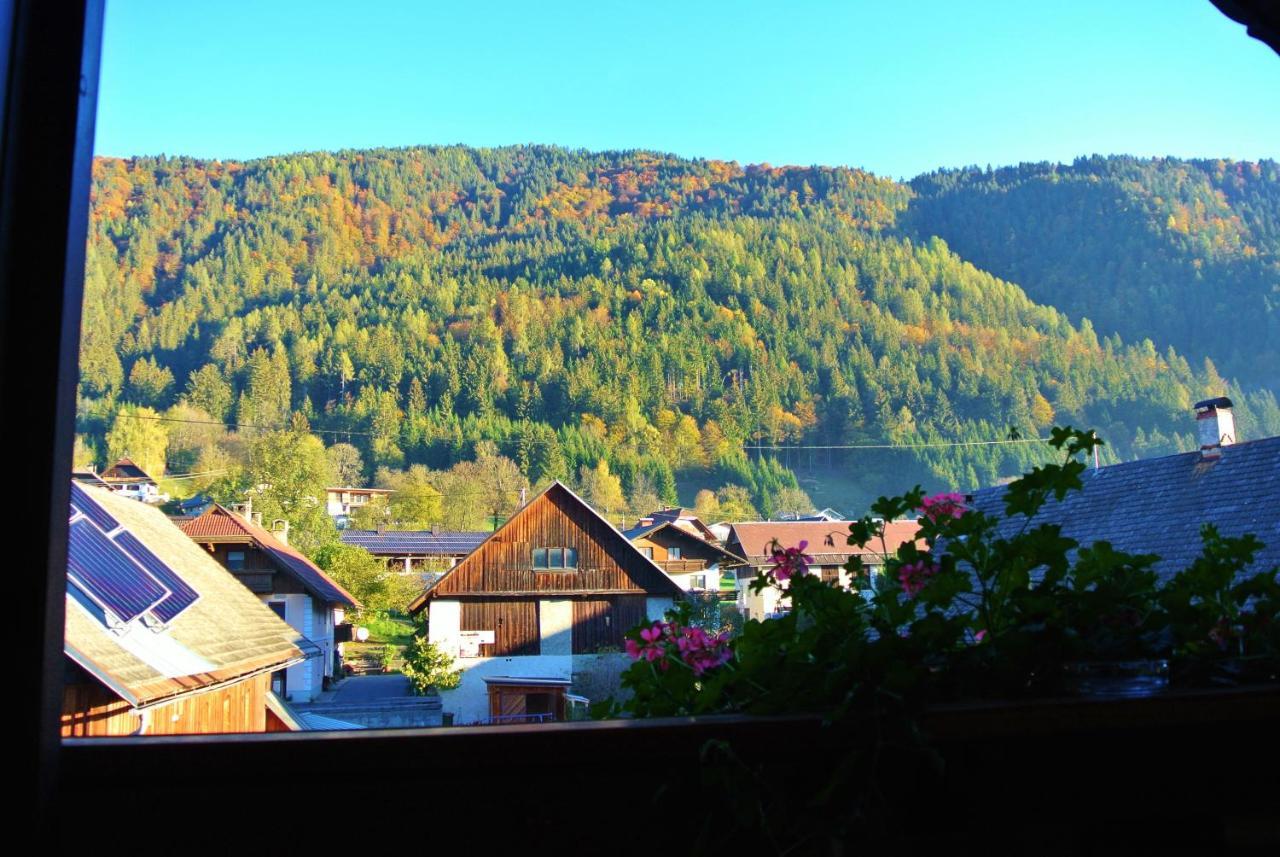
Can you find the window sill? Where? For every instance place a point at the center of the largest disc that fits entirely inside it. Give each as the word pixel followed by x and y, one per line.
pixel 1141 762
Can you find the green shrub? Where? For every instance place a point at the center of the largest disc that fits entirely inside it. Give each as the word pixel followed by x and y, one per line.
pixel 429 668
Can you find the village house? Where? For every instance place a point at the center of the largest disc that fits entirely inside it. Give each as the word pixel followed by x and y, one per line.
pixel 685 519
pixel 340 503
pixel 692 561
pixel 827 514
pixel 130 480
pixel 159 639
pixel 827 544
pixel 540 601
pixel 287 582
pixel 420 551
pixel 1157 505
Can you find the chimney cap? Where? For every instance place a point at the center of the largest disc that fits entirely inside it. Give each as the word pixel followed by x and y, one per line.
pixel 1220 402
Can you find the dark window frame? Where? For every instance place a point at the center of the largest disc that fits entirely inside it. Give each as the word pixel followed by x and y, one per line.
pixel 554 559
pixel 49 62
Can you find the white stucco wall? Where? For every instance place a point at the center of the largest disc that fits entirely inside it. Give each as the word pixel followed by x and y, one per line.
pixel 770 600
pixel 555 623
pixel 313 620
pixel 444 618
pixel 469 702
pixel 757 605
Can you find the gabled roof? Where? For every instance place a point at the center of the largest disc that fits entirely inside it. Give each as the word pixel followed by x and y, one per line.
pixel 219 525
pixel 686 518
pixel 673 529
pixel 351 490
pixel 1157 505
pixel 226 634
pixel 560 492
pixel 414 542
pixel 125 470
pixel 828 540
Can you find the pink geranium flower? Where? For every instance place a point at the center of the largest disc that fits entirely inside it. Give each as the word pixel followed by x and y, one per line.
pixel 914 575
pixel 791 561
pixel 666 642
pixel 939 507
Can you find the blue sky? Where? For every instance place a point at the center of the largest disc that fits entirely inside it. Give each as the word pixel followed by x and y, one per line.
pixel 897 87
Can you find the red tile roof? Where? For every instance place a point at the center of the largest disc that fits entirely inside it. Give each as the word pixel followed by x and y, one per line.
pixel 825 538
pixel 224 525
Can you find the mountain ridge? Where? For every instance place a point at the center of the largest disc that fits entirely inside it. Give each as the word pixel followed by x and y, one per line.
pixel 655 312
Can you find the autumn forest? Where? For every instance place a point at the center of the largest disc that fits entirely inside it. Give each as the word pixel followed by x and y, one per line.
pixel 462 323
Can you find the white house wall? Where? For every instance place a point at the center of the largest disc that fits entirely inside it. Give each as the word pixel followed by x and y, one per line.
pixel 469 702
pixel 555 626
pixel 313 620
pixel 769 601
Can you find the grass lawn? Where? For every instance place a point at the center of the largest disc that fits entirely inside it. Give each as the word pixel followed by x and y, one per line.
pixel 383 629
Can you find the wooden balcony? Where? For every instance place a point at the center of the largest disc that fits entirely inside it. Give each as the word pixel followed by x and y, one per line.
pixel 682 566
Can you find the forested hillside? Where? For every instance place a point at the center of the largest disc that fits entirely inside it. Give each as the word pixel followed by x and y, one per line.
pixel 623 316
pixel 1186 253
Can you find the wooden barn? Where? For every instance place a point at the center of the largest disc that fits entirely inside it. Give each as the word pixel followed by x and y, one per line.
pixel 543 597
pixel 160 640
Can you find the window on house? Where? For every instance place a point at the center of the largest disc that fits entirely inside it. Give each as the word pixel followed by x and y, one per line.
pixel 235 560
pixel 648 552
pixel 555 558
pixel 673 553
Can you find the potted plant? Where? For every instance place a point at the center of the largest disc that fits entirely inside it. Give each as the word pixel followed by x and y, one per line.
pixel 980 608
pixel 1224 623
pixel 387 657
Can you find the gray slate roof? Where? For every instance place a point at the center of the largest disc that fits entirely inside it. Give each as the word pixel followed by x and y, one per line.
pixel 1157 505
pixel 414 542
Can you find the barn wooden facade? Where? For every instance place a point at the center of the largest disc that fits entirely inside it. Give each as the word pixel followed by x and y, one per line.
pixel 557 581
pixel 508 565
pixel 90 710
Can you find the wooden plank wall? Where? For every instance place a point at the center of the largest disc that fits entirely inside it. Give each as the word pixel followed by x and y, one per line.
pixel 602 621
pixel 90 710
pixel 606 560
pixel 514 623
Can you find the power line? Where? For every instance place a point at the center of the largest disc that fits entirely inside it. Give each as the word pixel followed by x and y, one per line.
pixel 907 446
pixel 239 425
pixel 180 476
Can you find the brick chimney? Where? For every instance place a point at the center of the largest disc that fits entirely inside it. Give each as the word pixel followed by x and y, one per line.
pixel 1215 426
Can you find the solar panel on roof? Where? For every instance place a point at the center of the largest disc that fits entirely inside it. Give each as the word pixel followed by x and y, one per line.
pixel 98 566
pixel 181 595
pixel 84 503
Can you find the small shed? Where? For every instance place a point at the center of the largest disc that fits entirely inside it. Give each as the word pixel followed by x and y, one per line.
pixel 526 699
